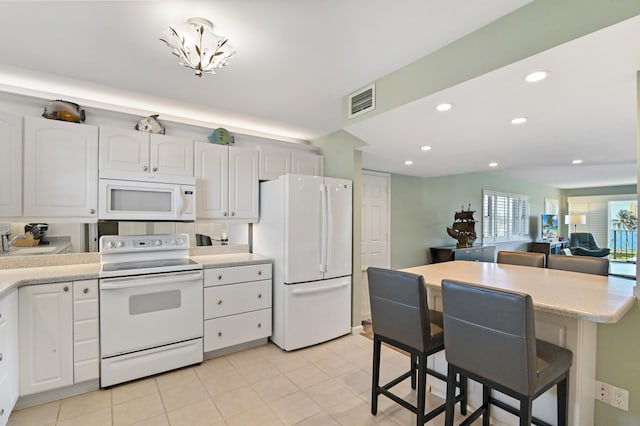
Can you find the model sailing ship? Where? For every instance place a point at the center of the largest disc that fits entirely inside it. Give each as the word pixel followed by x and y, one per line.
pixel 464 228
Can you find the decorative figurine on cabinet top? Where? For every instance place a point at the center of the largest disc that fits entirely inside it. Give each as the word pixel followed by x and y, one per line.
pixel 221 136
pixel 64 111
pixel 463 228
pixel 150 124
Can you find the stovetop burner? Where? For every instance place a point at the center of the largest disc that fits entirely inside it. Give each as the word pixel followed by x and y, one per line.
pixel 126 255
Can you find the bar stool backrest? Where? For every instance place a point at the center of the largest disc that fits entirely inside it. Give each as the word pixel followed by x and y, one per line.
pixel 399 309
pixel 491 333
pixel 584 264
pixel 523 258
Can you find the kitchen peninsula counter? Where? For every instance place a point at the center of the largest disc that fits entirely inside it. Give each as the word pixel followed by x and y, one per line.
pixel 568 307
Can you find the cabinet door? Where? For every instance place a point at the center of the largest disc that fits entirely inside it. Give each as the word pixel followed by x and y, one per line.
pixel 274 162
pixel 305 163
pixel 60 169
pixel 46 337
pixel 243 183
pixel 123 151
pixel 9 387
pixel 170 155
pixel 11 169
pixel 212 181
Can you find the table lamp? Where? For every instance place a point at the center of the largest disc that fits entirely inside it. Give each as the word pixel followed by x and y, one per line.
pixel 575 220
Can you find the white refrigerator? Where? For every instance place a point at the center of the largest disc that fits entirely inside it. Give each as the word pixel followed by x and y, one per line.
pixel 305 227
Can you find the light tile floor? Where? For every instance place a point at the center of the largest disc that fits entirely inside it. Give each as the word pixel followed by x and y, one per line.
pixel 327 384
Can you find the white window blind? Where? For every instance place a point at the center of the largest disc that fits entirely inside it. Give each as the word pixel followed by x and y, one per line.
pixel 505 217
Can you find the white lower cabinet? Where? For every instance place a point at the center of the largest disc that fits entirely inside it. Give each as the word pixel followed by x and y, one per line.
pixel 237 305
pixel 58 335
pixel 9 361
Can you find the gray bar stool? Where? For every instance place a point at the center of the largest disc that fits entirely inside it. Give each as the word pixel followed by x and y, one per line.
pixel 523 258
pixel 584 264
pixel 400 317
pixel 491 339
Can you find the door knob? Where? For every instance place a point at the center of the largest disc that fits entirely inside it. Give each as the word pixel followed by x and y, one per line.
pixel 85 290
pixel 65 288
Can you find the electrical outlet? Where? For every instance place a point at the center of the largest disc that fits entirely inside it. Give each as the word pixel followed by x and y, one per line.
pixel 612 395
pixel 620 399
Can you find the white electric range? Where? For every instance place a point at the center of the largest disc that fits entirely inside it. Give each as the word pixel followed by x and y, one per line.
pixel 151 306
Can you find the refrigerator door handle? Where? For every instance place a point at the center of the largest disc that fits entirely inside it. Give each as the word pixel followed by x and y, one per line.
pixel 320 289
pixel 323 238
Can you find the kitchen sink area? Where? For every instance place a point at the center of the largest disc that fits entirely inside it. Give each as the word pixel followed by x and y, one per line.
pixel 27 251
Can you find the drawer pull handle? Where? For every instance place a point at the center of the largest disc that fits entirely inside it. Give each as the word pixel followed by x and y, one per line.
pixel 259 324
pixel 219 302
pixel 1 411
pixel 65 288
pixel 219 333
pixel 259 295
pixel 85 290
pixel 219 277
pixel 0 357
pixel 259 272
pixel 155 169
pixel 145 168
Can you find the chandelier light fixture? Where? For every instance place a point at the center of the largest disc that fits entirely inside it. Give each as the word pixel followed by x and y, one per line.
pixel 197 46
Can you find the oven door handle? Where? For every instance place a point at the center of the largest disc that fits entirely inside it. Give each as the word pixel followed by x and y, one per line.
pixel 131 282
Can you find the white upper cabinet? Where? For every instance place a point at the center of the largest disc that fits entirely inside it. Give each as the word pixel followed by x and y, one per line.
pixel 11 169
pixel 226 182
pixel 306 163
pixel 275 162
pixel 133 155
pixel 60 169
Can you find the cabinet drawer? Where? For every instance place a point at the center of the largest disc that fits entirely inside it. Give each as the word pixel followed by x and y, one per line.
pixel 236 274
pixel 235 329
pixel 83 351
pixel 232 299
pixel 83 290
pixel 85 309
pixel 86 370
pixel 85 330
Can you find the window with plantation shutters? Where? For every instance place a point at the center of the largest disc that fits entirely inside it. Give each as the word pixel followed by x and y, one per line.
pixel 505 217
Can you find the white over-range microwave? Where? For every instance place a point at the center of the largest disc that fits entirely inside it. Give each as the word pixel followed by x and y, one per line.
pixel 147 201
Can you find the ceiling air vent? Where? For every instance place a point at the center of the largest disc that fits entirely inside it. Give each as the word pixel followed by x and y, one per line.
pixel 362 101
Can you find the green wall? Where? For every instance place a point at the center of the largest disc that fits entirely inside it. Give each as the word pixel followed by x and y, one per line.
pixel 422 208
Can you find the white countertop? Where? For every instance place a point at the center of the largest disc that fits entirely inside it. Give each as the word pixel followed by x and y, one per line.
pixel 25 275
pixel 584 296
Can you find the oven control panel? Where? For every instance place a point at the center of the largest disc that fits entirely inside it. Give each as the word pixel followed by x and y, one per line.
pixel 137 243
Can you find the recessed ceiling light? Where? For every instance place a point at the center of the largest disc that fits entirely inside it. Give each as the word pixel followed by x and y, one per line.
pixel 444 107
pixel 425 148
pixel 408 163
pixel 577 162
pixel 536 76
pixel 519 120
pixel 493 164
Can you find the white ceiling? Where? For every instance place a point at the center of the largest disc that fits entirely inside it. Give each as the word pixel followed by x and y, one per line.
pixel 297 59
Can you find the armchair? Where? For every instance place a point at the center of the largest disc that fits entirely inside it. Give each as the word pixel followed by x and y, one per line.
pixel 584 244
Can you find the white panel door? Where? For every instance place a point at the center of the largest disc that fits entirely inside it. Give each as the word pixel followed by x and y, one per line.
pixel 306 163
pixel 339 224
pixel 169 155
pixel 60 169
pixel 123 150
pixel 11 169
pixel 212 181
pixel 46 337
pixel 303 230
pixel 375 231
pixel 274 162
pixel 243 183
